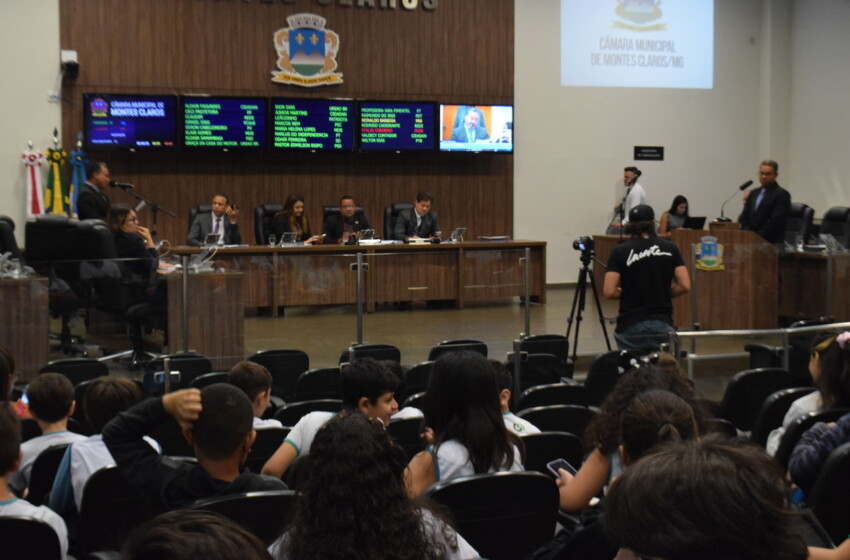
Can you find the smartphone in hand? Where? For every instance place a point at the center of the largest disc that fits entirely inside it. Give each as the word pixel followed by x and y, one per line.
pixel 553 467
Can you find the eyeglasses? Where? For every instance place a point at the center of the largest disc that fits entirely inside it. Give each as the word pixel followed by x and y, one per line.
pixel 132 220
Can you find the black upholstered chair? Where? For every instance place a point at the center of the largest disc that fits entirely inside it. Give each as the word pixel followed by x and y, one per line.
pixel 547 446
pixel 448 346
pixel 43 472
pixel 375 351
pixel 263 220
pixel 318 383
pixel 747 391
pixel 830 495
pixel 559 418
pixel 553 393
pixel 25 538
pixel 391 213
pixel 773 411
pixel 267 442
pixel 285 365
pixel 290 414
pixel 77 370
pixel 798 427
pixel 406 432
pixel 8 243
pixel 799 222
pixel 265 514
pixel 538 369
pixel 195 210
pixel 602 374
pixel 836 222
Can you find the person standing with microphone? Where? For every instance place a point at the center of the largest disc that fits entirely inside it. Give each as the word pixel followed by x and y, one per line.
pixel 92 201
pixel 767 208
pixel 635 196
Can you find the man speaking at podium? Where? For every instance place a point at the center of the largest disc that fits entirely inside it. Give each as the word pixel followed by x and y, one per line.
pixel 766 208
pixel 645 273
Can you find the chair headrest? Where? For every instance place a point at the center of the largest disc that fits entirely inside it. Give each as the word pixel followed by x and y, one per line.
pixel 837 214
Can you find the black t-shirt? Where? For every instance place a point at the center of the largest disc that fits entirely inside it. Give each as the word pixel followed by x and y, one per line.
pixel 646 267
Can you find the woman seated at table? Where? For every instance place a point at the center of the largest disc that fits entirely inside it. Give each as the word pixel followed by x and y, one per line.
pixel 293 219
pixel 134 243
pixel 675 217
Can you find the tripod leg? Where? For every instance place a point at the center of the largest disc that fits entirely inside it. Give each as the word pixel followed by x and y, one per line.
pixel 599 309
pixel 578 308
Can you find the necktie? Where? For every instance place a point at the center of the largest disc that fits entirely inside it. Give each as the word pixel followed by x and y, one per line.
pixel 217 227
pixel 760 197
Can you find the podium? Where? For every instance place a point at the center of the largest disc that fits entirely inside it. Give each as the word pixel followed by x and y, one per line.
pixel 743 294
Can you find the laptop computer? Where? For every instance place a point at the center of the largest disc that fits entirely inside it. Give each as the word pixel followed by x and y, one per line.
pixel 694 222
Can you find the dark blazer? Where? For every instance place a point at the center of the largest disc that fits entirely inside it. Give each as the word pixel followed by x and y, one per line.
pixel 203 225
pixel 92 203
pixel 333 227
pixel 768 221
pixel 405 225
pixel 459 134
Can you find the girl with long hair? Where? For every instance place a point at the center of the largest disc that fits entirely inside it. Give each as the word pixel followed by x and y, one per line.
pixel 675 216
pixel 293 219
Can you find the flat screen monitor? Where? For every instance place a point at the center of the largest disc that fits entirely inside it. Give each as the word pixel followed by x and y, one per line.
pixel 312 124
pixel 477 128
pixel 396 126
pixel 224 123
pixel 129 122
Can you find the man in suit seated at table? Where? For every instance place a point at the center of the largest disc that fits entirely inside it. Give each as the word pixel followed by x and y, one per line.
pixel 418 222
pixel 345 226
pixel 472 130
pixel 221 220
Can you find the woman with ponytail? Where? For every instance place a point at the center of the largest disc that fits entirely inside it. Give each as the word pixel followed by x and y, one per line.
pixel 830 368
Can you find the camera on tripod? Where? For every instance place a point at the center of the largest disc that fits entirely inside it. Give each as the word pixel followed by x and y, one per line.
pixel 583 244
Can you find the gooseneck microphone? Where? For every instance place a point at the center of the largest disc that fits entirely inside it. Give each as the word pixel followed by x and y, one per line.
pixel 125 186
pixel 743 187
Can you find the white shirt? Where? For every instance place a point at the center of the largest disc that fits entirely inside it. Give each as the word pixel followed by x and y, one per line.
pixel 20 480
pixel 636 197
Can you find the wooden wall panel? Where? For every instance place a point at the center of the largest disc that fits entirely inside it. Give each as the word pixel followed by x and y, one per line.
pixel 460 52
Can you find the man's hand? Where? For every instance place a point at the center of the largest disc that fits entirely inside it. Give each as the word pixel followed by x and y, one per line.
pixel 184 406
pixel 232 214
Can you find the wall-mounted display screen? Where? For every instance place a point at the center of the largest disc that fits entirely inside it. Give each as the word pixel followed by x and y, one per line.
pixel 312 124
pixel 224 122
pixel 113 121
pixel 394 126
pixel 477 128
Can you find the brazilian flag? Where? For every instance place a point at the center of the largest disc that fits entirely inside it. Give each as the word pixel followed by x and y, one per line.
pixel 56 199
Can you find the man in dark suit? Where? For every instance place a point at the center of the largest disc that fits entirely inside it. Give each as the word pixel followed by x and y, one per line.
pixel 221 220
pixel 418 222
pixel 92 201
pixel 344 227
pixel 471 130
pixel 766 208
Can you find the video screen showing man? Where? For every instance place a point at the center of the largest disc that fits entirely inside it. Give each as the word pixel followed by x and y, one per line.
pixel 418 222
pixel 473 128
pixel 345 226
pixel 221 221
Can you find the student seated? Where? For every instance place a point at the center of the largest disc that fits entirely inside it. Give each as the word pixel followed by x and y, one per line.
pixel 505 383
pixel 366 386
pixel 469 435
pixel 703 500
pixel 51 402
pixel 216 421
pixel 10 460
pixel 104 399
pixel 178 535
pixel 352 503
pixel 256 382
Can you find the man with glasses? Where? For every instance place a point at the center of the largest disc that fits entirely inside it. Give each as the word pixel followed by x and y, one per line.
pixel 345 226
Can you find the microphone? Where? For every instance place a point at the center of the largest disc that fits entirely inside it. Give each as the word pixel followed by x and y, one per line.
pixel 743 187
pixel 125 186
pixel 634 178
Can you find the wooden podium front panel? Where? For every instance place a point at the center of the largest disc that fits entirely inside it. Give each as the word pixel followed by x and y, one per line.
pixel 24 328
pixel 316 279
pixel 742 296
pixel 497 273
pixel 414 275
pixel 808 291
pixel 258 272
pixel 216 324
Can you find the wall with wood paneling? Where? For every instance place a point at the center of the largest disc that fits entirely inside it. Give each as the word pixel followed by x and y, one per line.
pixel 460 52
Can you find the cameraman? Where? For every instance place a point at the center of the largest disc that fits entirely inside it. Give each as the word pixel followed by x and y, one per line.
pixel 645 273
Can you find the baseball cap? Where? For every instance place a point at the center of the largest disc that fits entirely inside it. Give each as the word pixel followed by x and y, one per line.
pixel 641 213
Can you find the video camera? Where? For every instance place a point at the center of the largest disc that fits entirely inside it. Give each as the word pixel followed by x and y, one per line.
pixel 583 244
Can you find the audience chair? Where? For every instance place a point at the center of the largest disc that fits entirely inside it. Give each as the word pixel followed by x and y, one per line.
pixel 773 411
pixel 267 442
pixel 538 369
pixel 265 514
pixel 189 364
pixel 799 222
pixel 764 355
pixel 290 414
pixel 79 415
pixel 798 427
pixel 559 418
pixel 829 498
pixel 555 344
pixel 720 426
pixel 375 351
pixel 416 379
pixel 264 220
pixel 77 370
pixel 415 400
pixel 25 538
pixel 811 530
pixel 43 472
pixel 111 507
pixel 285 365
pixel 295 472
pixel 318 383
pixel 391 213
pixel 8 243
pixel 836 222
pixel 208 379
pixel 746 392
pixel 194 211
pixel 547 446
pixel 552 393
pixel 516 518
pixel 602 375
pixel 447 346
pixel 406 433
